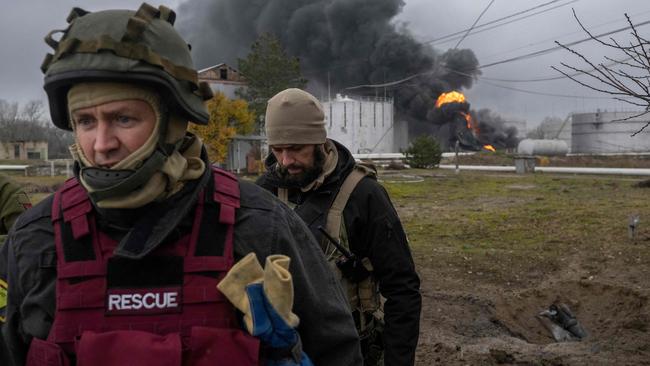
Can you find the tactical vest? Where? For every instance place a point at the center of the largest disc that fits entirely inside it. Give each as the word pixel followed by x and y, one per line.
pixel 163 309
pixel 363 297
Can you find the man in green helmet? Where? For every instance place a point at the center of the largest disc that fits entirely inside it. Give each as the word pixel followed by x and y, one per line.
pixel 121 265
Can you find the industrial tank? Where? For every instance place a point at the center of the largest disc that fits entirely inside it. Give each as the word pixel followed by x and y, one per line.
pixel 542 147
pixel 609 132
pixel 364 124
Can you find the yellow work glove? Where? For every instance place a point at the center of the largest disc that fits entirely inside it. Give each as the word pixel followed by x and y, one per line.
pixel 265 297
pixel 276 282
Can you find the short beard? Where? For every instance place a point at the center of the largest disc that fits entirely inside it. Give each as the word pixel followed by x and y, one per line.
pixel 307 176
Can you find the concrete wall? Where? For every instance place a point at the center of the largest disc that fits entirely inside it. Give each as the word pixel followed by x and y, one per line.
pixel 51 168
pixel 363 125
pixel 609 132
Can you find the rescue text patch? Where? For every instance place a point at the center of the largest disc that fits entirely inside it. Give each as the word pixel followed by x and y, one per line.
pixel 143 301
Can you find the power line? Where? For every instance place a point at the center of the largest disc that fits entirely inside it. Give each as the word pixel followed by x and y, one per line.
pixel 501 53
pixel 513 59
pixel 544 94
pixel 459 33
pixel 509 22
pixel 474 24
pixel 552 49
pixel 548 78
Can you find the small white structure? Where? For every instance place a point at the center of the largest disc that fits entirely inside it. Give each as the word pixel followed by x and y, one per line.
pixel 530 147
pixel 364 124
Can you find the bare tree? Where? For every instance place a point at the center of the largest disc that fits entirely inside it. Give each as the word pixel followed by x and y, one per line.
pixel 627 80
pixel 33 111
pixel 8 111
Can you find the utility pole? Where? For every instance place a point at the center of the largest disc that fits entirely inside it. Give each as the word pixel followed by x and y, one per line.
pixel 329 91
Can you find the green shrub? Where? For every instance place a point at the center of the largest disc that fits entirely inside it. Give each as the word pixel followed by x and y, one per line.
pixel 424 152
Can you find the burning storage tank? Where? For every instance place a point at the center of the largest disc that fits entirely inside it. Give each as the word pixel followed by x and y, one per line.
pixel 609 132
pixel 463 129
pixel 365 124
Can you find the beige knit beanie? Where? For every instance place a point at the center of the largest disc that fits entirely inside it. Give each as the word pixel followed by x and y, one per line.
pixel 294 116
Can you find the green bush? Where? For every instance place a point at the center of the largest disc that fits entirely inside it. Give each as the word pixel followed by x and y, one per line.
pixel 424 152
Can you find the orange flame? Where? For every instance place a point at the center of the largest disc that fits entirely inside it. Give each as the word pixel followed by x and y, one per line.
pixel 470 121
pixel 450 97
pixel 489 147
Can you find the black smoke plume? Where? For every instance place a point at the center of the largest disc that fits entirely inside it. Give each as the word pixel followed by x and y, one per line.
pixel 347 43
pixel 343 42
pixel 493 129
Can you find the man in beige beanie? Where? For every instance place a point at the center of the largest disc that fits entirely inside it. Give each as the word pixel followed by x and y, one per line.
pixel 319 178
pixel 120 266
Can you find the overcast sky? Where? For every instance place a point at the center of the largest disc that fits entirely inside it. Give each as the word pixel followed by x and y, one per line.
pixel 23 23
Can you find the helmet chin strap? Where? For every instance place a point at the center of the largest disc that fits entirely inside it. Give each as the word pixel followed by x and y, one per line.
pixel 108 183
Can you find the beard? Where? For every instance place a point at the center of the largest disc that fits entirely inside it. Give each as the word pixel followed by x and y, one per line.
pixel 302 179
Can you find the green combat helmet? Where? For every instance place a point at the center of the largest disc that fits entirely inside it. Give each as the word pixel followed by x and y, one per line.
pixel 124 46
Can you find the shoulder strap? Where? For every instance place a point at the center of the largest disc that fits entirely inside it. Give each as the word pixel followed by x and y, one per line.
pixel 283 195
pixel 226 192
pixel 335 213
pixel 72 203
pixel 74 232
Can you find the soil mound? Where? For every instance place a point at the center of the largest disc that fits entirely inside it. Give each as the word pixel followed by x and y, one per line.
pixel 606 312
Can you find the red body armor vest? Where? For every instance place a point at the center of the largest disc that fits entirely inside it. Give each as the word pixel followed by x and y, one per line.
pixel 163 309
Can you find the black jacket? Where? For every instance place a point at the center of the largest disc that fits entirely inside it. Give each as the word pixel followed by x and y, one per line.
pixel 263 225
pixel 374 231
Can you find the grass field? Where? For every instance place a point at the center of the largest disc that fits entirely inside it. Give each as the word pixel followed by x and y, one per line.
pixel 525 221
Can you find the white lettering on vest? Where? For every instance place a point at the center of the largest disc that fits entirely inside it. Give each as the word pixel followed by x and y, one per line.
pixel 149 300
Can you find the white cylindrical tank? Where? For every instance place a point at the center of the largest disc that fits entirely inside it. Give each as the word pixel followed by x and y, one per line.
pixel 609 132
pixel 542 147
pixel 362 124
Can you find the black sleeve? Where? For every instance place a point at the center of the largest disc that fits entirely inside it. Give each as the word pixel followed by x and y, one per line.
pixel 26 266
pixel 326 327
pixel 376 232
pixel 263 181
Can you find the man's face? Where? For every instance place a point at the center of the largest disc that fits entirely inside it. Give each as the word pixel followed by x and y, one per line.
pixel 298 165
pixel 294 158
pixel 108 133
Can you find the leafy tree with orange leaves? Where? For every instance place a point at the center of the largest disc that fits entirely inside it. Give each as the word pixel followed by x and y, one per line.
pixel 228 117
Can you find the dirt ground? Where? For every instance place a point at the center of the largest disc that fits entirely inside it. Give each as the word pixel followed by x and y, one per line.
pixel 483 287
pixel 469 323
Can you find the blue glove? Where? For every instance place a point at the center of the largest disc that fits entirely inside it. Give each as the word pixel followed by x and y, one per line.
pixel 273 331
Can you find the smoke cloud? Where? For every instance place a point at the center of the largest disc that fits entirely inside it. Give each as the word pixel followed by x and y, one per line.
pixel 493 129
pixel 341 42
